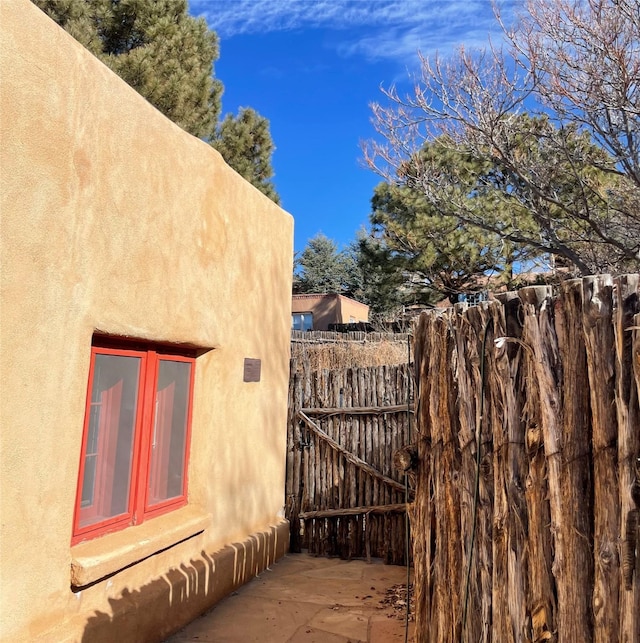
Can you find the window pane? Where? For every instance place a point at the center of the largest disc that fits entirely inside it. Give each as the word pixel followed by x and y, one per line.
pixel 302 321
pixel 168 441
pixel 110 433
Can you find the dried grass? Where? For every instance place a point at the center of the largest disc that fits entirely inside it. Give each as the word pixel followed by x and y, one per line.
pixel 350 354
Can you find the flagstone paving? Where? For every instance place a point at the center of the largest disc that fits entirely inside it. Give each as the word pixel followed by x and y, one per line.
pixel 307 599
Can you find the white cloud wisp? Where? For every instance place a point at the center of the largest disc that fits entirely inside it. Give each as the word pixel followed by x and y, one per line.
pixel 394 28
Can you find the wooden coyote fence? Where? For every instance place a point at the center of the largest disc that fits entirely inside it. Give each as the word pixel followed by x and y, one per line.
pixel 344 497
pixel 548 548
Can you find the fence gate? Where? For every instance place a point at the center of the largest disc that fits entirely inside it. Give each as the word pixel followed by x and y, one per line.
pixel 344 496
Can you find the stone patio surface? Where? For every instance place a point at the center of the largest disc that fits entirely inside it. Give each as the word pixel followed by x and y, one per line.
pixel 306 599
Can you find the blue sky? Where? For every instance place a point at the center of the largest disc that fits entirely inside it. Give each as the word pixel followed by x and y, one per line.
pixel 313 67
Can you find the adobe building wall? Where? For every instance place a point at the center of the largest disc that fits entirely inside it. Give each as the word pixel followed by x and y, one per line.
pixel 324 308
pixel 352 309
pixel 114 220
pixel 329 309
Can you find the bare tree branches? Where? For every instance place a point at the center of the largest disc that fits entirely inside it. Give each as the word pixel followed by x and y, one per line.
pixel 585 57
pixel 564 180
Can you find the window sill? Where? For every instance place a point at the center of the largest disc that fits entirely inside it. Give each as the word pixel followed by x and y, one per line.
pixel 97 559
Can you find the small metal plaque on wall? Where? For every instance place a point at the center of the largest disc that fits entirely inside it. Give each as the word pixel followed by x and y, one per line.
pixel 252 369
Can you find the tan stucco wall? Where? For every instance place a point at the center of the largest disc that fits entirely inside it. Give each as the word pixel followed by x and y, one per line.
pixel 115 220
pixel 350 308
pixel 329 309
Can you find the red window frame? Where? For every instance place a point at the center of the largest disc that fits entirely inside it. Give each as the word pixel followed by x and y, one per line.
pixel 142 479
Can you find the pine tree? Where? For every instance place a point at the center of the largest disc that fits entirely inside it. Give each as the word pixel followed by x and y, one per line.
pixel 246 145
pixel 429 254
pixel 157 47
pixel 322 269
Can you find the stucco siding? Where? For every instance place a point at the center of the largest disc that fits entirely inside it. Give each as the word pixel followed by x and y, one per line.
pixel 114 220
pixel 352 311
pixel 329 309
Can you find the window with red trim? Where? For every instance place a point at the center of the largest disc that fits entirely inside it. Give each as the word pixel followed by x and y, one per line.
pixel 135 443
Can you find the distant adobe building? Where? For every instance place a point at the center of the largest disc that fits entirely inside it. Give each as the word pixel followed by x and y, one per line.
pixel 317 312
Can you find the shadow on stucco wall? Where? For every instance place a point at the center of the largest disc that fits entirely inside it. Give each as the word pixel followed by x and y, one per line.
pixel 163 606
